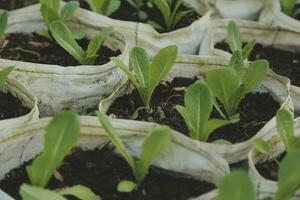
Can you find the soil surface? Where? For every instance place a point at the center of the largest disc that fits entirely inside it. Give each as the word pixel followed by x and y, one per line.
pixel 101 171
pixel 285 63
pixel 38 49
pixel 11 107
pixel 255 111
pixel 269 169
pixel 15 4
pixel 128 13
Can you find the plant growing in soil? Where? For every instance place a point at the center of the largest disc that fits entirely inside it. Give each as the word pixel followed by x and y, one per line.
pixel 169 10
pixel 66 39
pixel 62 134
pixel 146 74
pixel 157 141
pixel 289 7
pixel 242 81
pixel 199 102
pixel 104 7
pixel 288 183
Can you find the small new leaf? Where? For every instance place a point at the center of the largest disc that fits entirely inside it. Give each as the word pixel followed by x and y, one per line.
pixel 35 193
pixel 80 192
pixel 262 147
pixel 4 74
pixel 126 186
pixel 3 23
pixel 104 7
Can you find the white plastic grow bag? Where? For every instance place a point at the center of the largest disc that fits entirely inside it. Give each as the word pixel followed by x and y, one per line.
pixel 27 99
pixel 263 34
pixel 74 87
pixel 20 145
pixel 187 39
pixel 197 66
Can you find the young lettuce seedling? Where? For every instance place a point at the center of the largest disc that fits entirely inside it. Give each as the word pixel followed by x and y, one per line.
pixel 104 7
pixel 198 102
pixel 66 39
pixel 288 7
pixel 146 74
pixel 171 16
pixel 238 185
pixel 4 74
pixel 231 84
pixel 62 134
pixel 158 140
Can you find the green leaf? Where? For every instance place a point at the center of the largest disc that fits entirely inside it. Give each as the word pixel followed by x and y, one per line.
pixel 53 4
pixel 140 64
pixel 248 49
pixel 180 15
pixel 155 143
pixel 237 62
pixel 233 37
pixel 288 176
pixel 96 43
pixel 164 8
pixel 222 141
pixel 78 35
pixel 64 37
pixel 126 186
pixel 3 22
pixel 104 7
pixel 80 192
pixel 116 140
pixel 119 63
pixel 287 6
pixel 262 146
pixel 35 193
pixel 61 136
pixel 69 10
pixel 213 124
pixel 236 186
pixel 49 14
pixel 4 74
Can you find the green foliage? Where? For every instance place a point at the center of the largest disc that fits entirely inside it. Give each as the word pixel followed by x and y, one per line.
pixel 199 101
pixel 146 74
pixel 158 140
pixel 289 7
pixel 4 74
pixel 170 11
pixel 3 23
pixel 66 39
pixel 242 81
pixel 262 147
pixel 104 7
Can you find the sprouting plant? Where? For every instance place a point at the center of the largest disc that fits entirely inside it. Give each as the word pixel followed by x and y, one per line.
pixel 62 134
pixel 288 182
pixel 146 74
pixel 171 14
pixel 157 141
pixel 66 39
pixel 199 102
pixel 4 74
pixel 3 23
pixel 289 7
pixel 285 127
pixel 104 7
pixel 231 84
pixel 138 4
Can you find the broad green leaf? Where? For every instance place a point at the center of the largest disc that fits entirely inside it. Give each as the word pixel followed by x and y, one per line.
pixel 179 16
pixel 233 37
pixel 164 8
pixel 158 140
pixel 262 146
pixel 4 74
pixel 248 49
pixel 116 140
pixel 49 14
pixel 35 193
pixel 236 186
pixel 78 35
pixel 3 22
pixel 237 62
pixel 61 136
pixel 213 124
pixel 223 89
pixel 80 192
pixel 96 43
pixel 287 6
pixel 104 7
pixel 69 10
pixel 140 63
pixel 126 186
pixel 183 112
pixel 64 37
pixel 53 4
pixel 288 176
pixel 119 63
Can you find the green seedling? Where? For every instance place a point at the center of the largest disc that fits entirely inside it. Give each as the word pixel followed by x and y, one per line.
pixel 65 38
pixel 231 84
pixel 146 74
pixel 3 24
pixel 238 185
pixel 62 134
pixel 198 102
pixel 104 7
pixel 157 141
pixel 138 4
pixel 4 74
pixel 171 14
pixel 289 7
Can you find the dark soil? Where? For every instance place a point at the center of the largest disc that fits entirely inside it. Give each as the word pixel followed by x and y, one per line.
pixel 15 4
pixel 255 111
pixel 38 49
pixel 11 107
pixel 128 13
pixel 269 169
pixel 285 63
pixel 101 171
